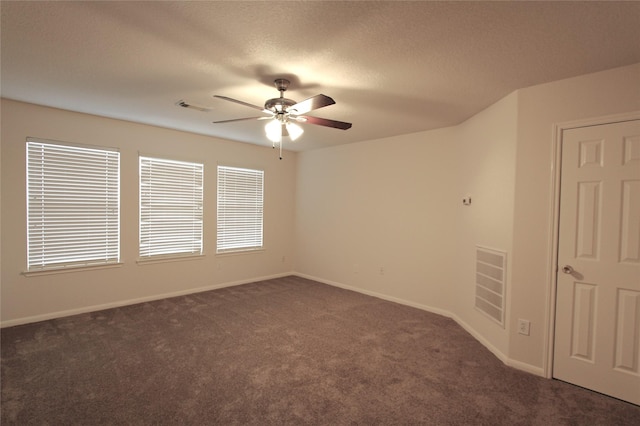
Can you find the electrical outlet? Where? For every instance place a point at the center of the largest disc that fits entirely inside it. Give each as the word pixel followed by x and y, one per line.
pixel 524 327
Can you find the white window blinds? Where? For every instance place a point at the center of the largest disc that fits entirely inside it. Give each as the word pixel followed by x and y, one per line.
pixel 170 207
pixel 240 202
pixel 73 207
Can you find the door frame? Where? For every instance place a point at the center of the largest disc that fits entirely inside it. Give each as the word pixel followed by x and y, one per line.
pixel 556 161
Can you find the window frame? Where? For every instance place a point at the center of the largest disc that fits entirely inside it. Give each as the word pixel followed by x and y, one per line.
pixel 187 249
pixel 225 235
pixel 68 177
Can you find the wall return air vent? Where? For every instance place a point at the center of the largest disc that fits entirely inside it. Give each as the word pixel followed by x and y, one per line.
pixel 490 283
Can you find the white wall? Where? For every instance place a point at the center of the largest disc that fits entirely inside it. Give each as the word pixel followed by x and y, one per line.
pixel 485 165
pixel 380 204
pixel 396 204
pixel 42 296
pixel 539 108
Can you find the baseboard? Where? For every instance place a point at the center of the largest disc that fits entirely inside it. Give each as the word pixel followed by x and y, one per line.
pixel 538 371
pixel 523 366
pixel 378 295
pixel 120 303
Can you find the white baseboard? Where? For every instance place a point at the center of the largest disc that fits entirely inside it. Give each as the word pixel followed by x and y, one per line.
pixel 538 371
pixel 523 366
pixel 375 294
pixel 101 307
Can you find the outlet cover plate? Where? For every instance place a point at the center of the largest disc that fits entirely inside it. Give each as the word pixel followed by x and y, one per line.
pixel 524 327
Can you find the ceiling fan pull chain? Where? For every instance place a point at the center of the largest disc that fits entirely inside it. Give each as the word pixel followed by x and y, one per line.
pixel 281 150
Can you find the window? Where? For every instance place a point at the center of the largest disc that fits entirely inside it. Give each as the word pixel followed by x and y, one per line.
pixel 73 207
pixel 240 199
pixel 170 208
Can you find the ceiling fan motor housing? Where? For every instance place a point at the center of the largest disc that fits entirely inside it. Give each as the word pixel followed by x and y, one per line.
pixel 279 105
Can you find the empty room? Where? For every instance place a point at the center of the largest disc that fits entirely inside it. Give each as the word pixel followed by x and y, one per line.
pixel 320 212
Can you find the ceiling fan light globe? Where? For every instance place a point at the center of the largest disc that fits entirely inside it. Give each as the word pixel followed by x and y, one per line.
pixel 294 131
pixel 273 129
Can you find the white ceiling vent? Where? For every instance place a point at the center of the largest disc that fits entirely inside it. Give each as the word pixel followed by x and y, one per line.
pixel 490 283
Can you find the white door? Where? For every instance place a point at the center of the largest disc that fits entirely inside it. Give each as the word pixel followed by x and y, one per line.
pixel 597 340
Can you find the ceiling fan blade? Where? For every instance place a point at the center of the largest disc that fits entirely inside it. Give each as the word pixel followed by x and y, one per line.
pixel 241 119
pixel 259 108
pixel 314 102
pixel 326 122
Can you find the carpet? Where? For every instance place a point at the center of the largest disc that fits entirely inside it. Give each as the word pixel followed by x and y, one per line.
pixel 286 351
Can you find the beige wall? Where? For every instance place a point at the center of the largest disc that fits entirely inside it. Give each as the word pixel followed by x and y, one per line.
pixel 42 296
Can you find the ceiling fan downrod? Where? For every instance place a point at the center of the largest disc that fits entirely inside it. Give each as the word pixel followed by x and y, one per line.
pixel 282 84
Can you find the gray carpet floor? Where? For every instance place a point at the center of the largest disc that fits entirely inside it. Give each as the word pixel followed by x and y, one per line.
pixel 287 351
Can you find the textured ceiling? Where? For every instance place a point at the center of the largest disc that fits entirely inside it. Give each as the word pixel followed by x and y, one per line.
pixel 392 67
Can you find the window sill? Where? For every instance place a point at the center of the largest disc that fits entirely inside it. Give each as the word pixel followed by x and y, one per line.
pixel 168 258
pixel 240 252
pixel 68 269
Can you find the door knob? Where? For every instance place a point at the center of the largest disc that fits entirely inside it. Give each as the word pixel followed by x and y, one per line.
pixel 567 269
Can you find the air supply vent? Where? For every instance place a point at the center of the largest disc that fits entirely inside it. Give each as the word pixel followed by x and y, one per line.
pixel 185 104
pixel 490 283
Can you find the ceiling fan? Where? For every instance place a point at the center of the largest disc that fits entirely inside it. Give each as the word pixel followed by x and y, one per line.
pixel 284 113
